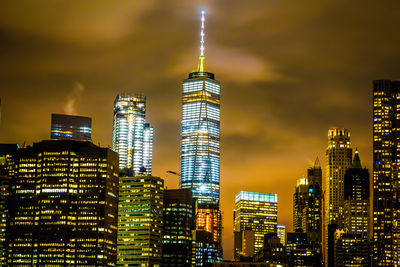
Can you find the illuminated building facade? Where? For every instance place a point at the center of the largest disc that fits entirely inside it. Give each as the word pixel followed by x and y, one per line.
pixel 178 224
pixel 6 151
pixel 300 199
pixel 140 220
pixel 338 160
pixel 200 144
pixel 300 251
pixel 69 127
pixel 64 208
pixel 132 136
pixel 281 232
pixel 257 212
pixel 386 161
pixel 356 199
pixel 205 250
pixel 352 250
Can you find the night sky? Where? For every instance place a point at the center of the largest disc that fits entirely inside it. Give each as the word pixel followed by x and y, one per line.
pixel 289 70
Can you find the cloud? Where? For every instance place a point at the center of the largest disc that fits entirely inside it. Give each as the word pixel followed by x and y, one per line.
pixel 233 64
pixel 73 98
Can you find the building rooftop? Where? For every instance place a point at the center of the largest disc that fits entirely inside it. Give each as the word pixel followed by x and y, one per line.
pixel 254 196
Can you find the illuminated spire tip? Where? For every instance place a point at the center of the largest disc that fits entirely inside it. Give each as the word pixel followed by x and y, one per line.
pixel 200 66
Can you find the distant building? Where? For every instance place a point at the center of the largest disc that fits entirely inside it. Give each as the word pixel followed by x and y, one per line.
pixel 132 136
pixel 386 163
pixel 356 199
pixel 272 252
pixel 69 127
pixel 178 223
pixel 257 212
pixel 243 244
pixel 300 199
pixel 352 250
pixel 281 232
pixel 140 220
pixel 338 160
pixel 64 208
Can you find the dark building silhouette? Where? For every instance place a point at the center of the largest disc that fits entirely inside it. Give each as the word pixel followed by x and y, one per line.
pixel 300 251
pixel 64 205
pixel 69 127
pixel 177 228
pixel 386 163
pixel 356 199
pixel 272 252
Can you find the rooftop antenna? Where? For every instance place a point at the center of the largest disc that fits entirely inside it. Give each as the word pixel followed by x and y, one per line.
pixel 200 67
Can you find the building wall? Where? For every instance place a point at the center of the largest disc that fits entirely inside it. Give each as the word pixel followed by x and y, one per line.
pixel 386 225
pixel 64 205
pixel 257 212
pixel 140 220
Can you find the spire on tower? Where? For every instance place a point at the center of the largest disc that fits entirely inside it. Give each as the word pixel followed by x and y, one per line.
pixel 200 66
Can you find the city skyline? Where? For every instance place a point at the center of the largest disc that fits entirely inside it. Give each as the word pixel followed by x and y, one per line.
pixel 262 129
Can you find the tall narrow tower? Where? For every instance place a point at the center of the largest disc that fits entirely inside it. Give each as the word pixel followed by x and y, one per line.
pixel 386 180
pixel 338 160
pixel 200 142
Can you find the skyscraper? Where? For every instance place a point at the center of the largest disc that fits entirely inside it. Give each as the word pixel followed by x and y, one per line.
pixel 64 208
pixel 313 215
pixel 200 142
pixel 257 212
pixel 338 160
pixel 300 198
pixel 140 220
pixel 69 127
pixel 132 136
pixel 386 162
pixel 356 199
pixel 177 228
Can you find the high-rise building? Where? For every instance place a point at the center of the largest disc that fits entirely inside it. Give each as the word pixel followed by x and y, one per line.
pixel 132 136
pixel 64 208
pixel 178 224
pixel 69 127
pixel 257 212
pixel 356 199
pixel 386 162
pixel 312 218
pixel 300 199
pixel 200 143
pixel 338 160
pixel 281 232
pixel 140 220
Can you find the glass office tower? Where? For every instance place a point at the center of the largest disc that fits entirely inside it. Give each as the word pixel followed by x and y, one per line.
pixel 132 136
pixel 257 212
pixel 200 147
pixel 200 144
